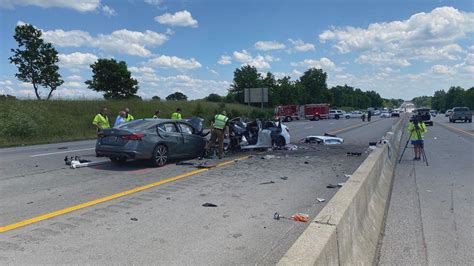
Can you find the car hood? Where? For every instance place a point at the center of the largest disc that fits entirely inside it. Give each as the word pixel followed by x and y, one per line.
pixel 197 123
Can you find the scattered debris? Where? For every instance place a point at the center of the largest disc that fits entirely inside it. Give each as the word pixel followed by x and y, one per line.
pixel 29 202
pixel 134 219
pixel 335 186
pixel 348 176
pixel 299 217
pixel 354 153
pixel 168 198
pixel 185 163
pixel 267 183
pixel 207 204
pixel 284 178
pixel 204 165
pixel 341 184
pixel 320 199
pixel 291 147
pixel 306 162
pixel 268 157
pixel 62 148
pixel 326 140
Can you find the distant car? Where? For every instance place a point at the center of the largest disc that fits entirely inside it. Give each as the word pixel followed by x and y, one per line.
pixel 395 114
pixel 354 114
pixel 425 115
pixel 448 112
pixel 433 113
pixel 376 112
pixel 157 140
pixel 336 114
pixel 460 113
pixel 385 114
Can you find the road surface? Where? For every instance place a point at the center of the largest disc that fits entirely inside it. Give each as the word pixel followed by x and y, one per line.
pixel 166 224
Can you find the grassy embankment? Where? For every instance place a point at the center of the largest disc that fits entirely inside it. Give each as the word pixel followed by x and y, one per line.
pixel 34 122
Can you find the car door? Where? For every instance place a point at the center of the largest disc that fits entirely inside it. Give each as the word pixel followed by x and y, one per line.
pixel 193 144
pixel 172 137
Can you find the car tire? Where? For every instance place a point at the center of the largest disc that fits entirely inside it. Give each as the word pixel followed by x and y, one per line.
pixel 160 155
pixel 280 141
pixel 337 117
pixel 289 119
pixel 348 116
pixel 316 118
pixel 470 120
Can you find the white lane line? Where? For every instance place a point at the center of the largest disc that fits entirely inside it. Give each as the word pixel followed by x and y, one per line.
pixel 60 152
pixel 308 127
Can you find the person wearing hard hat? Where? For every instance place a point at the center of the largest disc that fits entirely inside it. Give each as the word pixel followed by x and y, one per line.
pixel 128 116
pixel 176 115
pixel 101 121
pixel 218 130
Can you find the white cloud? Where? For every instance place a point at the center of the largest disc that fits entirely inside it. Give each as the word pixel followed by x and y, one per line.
pixel 323 63
pixel 108 11
pixel 423 36
pixel 300 46
pixel 76 60
pixel 180 18
pixel 165 61
pixel 79 5
pixel 153 84
pixel 141 70
pixel 441 69
pixel 73 84
pixel 74 78
pixel 269 45
pixel 225 60
pixel 120 41
pixel 258 61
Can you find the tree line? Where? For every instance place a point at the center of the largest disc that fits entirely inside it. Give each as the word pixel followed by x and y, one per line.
pixel 444 100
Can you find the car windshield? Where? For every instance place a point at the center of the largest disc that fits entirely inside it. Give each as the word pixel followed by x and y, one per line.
pixel 138 125
pixel 461 109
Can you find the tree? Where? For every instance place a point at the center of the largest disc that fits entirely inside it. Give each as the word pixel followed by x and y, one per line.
pixel 36 60
pixel 112 78
pixel 244 77
pixel 177 96
pixel 156 98
pixel 314 81
pixel 439 101
pixel 213 98
pixel 454 97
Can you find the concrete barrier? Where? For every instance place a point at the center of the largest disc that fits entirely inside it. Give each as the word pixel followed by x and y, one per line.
pixel 347 229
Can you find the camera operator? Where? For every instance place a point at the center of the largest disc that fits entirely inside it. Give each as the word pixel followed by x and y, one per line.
pixel 417 128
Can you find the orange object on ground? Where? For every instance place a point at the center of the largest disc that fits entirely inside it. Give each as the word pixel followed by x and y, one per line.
pixel 300 217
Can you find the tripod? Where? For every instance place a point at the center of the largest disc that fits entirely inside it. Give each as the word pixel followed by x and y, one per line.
pixel 423 154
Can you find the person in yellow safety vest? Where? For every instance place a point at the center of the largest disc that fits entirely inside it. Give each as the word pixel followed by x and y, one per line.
pixel 218 131
pixel 128 116
pixel 157 114
pixel 101 121
pixel 177 114
pixel 417 129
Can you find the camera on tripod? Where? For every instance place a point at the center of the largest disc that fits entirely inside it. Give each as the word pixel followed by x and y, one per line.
pixel 416 119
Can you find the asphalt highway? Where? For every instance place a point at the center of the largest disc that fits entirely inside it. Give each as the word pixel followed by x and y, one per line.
pixel 38 188
pixel 430 219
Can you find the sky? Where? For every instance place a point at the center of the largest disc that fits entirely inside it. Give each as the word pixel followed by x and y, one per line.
pixel 399 48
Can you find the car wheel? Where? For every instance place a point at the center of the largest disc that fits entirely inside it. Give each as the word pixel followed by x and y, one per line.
pixel 160 155
pixel 337 117
pixel 316 118
pixel 280 141
pixel 289 119
pixel 348 116
pixel 470 120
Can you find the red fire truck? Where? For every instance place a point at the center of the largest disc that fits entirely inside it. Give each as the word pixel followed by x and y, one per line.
pixel 287 112
pixel 316 111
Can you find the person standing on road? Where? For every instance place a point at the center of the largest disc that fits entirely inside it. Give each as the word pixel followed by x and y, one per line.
pixel 120 119
pixel 157 114
pixel 101 121
pixel 363 117
pixel 218 131
pixel 176 115
pixel 417 129
pixel 369 115
pixel 128 116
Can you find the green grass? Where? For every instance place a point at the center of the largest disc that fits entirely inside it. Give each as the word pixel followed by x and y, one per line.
pixel 25 122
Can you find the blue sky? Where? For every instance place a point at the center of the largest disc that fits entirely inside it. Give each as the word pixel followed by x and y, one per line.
pixel 398 48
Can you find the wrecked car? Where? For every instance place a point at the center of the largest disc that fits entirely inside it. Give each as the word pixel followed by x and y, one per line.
pixel 157 140
pixel 325 140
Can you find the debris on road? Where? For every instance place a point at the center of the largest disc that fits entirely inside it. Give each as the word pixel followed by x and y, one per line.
pixel 186 163
pixel 354 153
pixel 134 219
pixel 341 184
pixel 325 140
pixel 207 204
pixel 320 199
pixel 284 178
pixel 291 147
pixel 335 186
pixel 299 217
pixel 204 165
pixel 267 183
pixel 348 176
pixel 268 157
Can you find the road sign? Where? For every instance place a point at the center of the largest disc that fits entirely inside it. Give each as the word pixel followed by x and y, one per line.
pixel 256 95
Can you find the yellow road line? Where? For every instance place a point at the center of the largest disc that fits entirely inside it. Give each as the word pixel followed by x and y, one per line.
pixel 352 127
pixel 108 198
pixel 456 129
